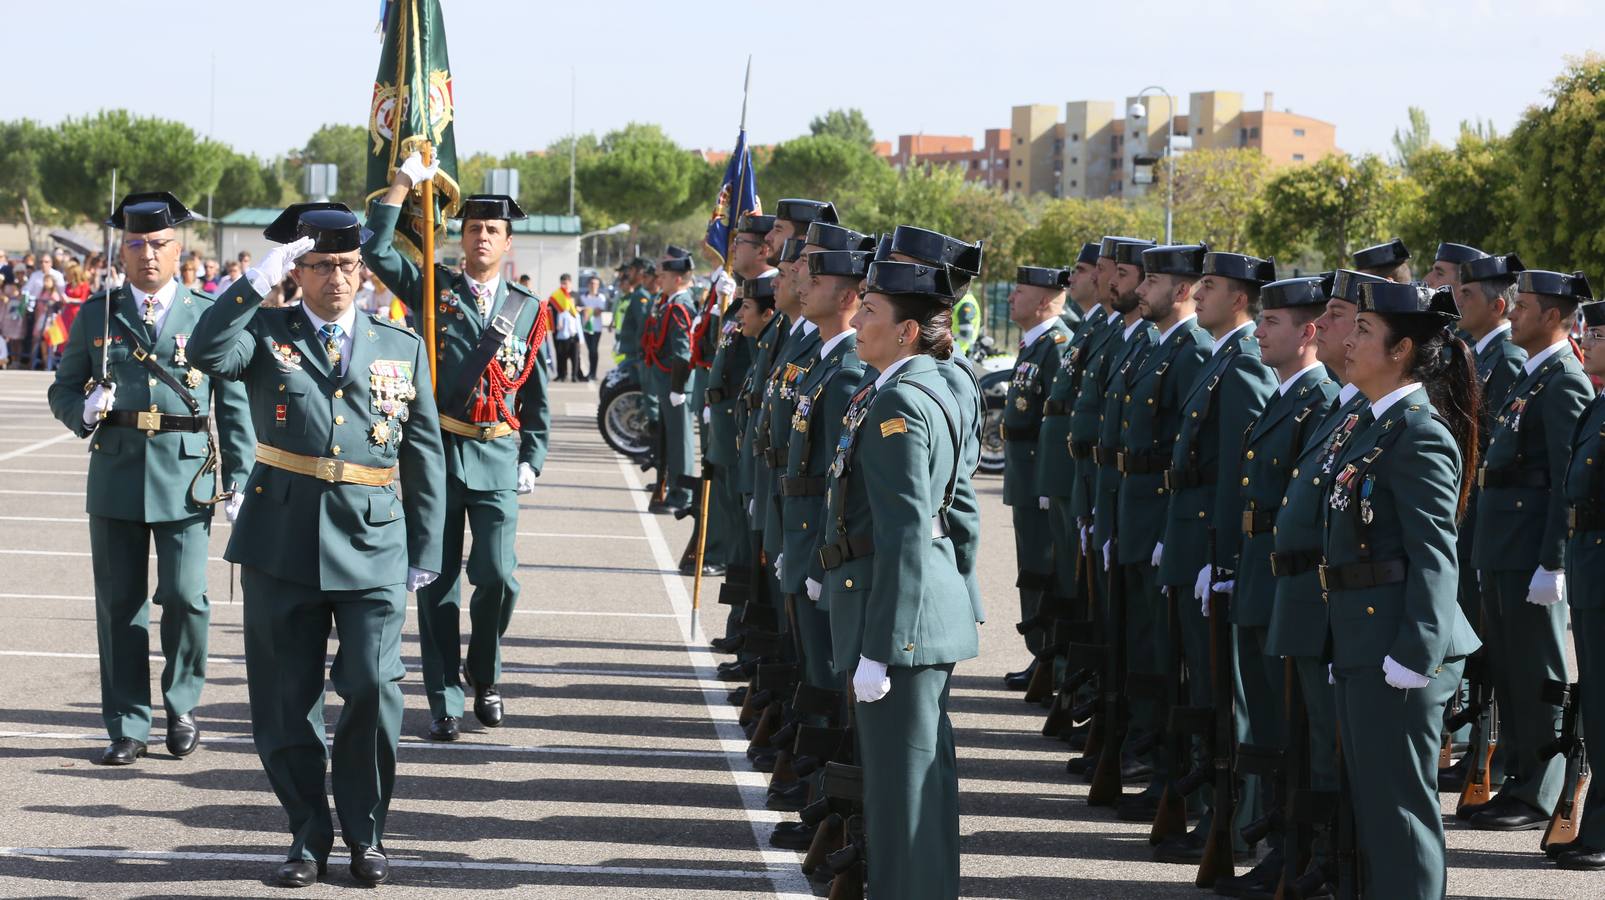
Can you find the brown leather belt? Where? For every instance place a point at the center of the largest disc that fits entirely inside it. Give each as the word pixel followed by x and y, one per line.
pixel 1510 476
pixel 1132 462
pixel 1081 449
pixel 1054 408
pixel 477 432
pixel 154 421
pixel 1294 562
pixel 1361 576
pixel 334 471
pixel 799 486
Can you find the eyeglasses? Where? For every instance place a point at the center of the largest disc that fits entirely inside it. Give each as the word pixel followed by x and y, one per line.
pixel 1593 336
pixel 138 246
pixel 751 242
pixel 326 268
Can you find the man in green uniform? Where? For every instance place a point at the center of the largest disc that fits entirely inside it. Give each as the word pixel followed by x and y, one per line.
pixel 1229 392
pixel 1519 544
pixel 666 346
pixel 496 421
pixel 1034 307
pixel 343 404
pixel 1390 260
pixel 150 474
pixel 1286 335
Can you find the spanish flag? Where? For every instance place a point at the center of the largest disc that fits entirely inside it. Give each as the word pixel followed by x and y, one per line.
pixel 398 310
pixel 55 334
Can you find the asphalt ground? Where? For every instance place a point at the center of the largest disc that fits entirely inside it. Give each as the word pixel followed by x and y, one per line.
pixel 620 771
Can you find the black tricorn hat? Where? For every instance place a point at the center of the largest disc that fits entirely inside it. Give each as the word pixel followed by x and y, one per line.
pixel 1593 313
pixel 792 249
pixel 1573 287
pixel 1309 290
pixel 1488 268
pixel 932 248
pixel 915 279
pixel 1459 254
pixel 840 263
pixel 332 227
pixel 1042 276
pixel 147 211
pixel 1186 260
pixel 676 259
pixel 1240 266
pixel 837 237
pixel 760 289
pixel 1088 254
pixel 1107 246
pixel 489 206
pixel 1344 284
pixel 1380 256
pixel 1413 299
pixel 806 212
pixel 753 223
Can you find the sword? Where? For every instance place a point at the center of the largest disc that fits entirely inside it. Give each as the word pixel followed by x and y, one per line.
pixel 105 317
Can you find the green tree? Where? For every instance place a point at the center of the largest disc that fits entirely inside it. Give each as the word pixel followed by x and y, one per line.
pixel 149 154
pixel 640 176
pixel 23 143
pixel 1413 140
pixel 246 181
pixel 825 167
pixel 1330 208
pixel 1217 191
pixel 847 124
pixel 346 146
pixel 1467 195
pixel 1559 151
pixel 1065 224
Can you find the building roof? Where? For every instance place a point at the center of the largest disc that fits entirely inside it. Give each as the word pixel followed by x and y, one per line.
pixel 537 223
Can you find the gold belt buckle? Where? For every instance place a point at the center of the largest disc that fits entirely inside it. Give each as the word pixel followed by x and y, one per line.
pixel 1248 521
pixel 330 470
pixel 1321 570
pixel 148 421
pixel 1482 476
pixel 486 432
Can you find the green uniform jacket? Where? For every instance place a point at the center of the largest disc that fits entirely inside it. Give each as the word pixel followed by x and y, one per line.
pixel 1585 489
pixel 1034 371
pixel 750 400
pixel 635 309
pixel 132 476
pixel 1498 367
pixel 964 515
pixel 1394 498
pixel 796 358
pixel 1085 410
pixel 1152 421
pixel 1298 617
pixel 730 364
pixel 816 426
pixel 479 465
pixel 335 537
pixel 1055 471
pixel 1522 525
pixel 1270 451
pixel 1122 371
pixel 1230 392
pixel 904 603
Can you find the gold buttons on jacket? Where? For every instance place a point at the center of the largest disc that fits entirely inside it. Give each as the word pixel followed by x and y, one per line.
pixel 1200 514
pixel 153 382
pixel 847 583
pixel 339 420
pixel 1245 481
pixel 1370 610
pixel 335 449
pixel 1250 455
pixel 259 489
pixel 338 393
pixel 909 649
pixel 281 388
pixel 805 526
pixel 1518 504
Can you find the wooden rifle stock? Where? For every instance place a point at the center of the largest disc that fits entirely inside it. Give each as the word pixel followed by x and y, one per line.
pixel 1105 789
pixel 1569 809
pixel 1170 819
pixel 1217 861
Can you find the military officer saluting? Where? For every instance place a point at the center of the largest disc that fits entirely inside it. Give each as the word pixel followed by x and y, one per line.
pixel 1520 541
pixel 496 420
pixel 151 473
pixel 344 409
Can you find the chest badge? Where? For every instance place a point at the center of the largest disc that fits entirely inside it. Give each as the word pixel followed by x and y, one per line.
pixel 380 433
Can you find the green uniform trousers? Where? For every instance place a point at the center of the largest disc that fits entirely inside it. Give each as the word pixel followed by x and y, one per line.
pixel 492 517
pixel 1264 693
pixel 1525 650
pixel 1033 555
pixel 727 519
pixel 813 642
pixel 1066 548
pixel 1320 706
pixel 674 466
pixel 1588 631
pixel 286 646
pixel 1390 750
pixel 120 549
pixel 1201 692
pixel 911 787
pixel 1147 650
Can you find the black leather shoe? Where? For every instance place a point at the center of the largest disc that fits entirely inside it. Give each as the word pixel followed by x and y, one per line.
pixel 298 873
pixel 1453 779
pixel 1019 681
pixel 1080 765
pixel 1137 808
pixel 1256 881
pixel 1510 815
pixel 790 799
pixel 1189 848
pixel 369 866
pixel 665 508
pixel 737 697
pixel 487 701
pixel 444 729
pixel 1133 769
pixel 1582 858
pixel 732 671
pixel 183 736
pixel 688 568
pixel 121 752
pixel 727 644
pixel 791 836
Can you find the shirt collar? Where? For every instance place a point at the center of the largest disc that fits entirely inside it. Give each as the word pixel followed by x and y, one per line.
pixel 1113 318
pixel 1221 342
pixel 164 294
pixel 1172 329
pixel 490 286
pixel 1489 337
pixel 826 347
pixel 1132 328
pixel 1346 393
pixel 803 325
pixel 347 320
pixel 1031 336
pixel 1283 387
pixel 1381 406
pixel 892 370
pixel 1536 360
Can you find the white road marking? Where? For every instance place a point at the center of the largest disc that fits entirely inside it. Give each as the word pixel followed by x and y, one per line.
pixel 406 744
pixel 36 445
pixel 506 668
pixel 223 523
pixel 43 493
pixel 579 410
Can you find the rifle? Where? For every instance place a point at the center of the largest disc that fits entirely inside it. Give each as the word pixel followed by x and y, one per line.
pixel 1092 665
pixel 1217 861
pixel 1105 790
pixel 1563 825
pixel 1170 820
pixel 1482 713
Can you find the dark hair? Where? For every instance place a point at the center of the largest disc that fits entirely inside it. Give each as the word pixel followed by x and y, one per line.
pixel 934 320
pixel 1566 306
pixel 1499 289
pixel 1447 368
pixel 1399 272
pixel 1305 313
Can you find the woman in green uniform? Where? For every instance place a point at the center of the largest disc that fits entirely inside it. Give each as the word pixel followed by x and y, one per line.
pixel 900 611
pixel 1398 637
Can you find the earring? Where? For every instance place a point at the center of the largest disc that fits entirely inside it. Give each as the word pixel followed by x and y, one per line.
pixel 900 340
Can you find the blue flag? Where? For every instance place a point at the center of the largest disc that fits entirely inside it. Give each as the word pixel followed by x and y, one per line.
pixel 738 170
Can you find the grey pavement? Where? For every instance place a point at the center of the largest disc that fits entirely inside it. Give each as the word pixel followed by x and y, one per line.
pixel 619 773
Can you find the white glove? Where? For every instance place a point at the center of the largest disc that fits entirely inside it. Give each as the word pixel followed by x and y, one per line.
pixel 1330 678
pixel 723 284
pixel 707 415
pixel 526 478
pixel 1086 538
pixel 277 263
pixel 1159 553
pixel 1224 587
pixel 1400 677
pixel 99 402
pixel 752 508
pixel 813 588
pixel 676 399
pixel 1042 503
pixel 417 173
pixel 1201 590
pixel 231 507
pixel 418 579
pixel 870 682
pixel 1106 563
pixel 1547 588
pixel 779 559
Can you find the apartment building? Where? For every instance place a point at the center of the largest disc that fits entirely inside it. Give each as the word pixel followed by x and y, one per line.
pixel 987 164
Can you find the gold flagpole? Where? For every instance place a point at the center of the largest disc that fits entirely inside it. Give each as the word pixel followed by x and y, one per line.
pixel 427 316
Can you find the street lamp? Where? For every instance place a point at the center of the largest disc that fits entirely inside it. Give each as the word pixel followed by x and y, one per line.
pixel 1137 112
pixel 620 228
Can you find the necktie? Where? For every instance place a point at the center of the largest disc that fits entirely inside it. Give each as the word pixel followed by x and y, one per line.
pixel 149 314
pixel 331 344
pixel 481 298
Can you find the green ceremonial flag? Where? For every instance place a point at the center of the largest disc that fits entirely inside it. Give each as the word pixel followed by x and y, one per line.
pixel 411 105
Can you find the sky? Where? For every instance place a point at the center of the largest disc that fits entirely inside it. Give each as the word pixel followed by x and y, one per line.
pixel 286 67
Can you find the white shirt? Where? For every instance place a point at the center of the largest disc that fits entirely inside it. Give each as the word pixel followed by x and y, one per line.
pixel 1284 386
pixel 36 282
pixel 347 321
pixel 892 370
pixel 491 287
pixel 164 301
pixel 1031 336
pixel 1172 329
pixel 1381 406
pixel 1221 341
pixel 1346 393
pixel 803 325
pixel 1112 317
pixel 1132 327
pixel 1488 338
pixel 1533 362
pixel 826 347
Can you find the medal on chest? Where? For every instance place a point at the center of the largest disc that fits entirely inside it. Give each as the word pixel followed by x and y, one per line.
pixel 1366 486
pixel 1513 418
pixel 799 416
pixel 287 357
pixel 857 410
pixel 1335 443
pixel 180 358
pixel 390 390
pixel 512 355
pixel 1343 489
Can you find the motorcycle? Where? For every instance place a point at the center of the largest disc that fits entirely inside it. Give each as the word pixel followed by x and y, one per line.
pixel 621 413
pixel 992 369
